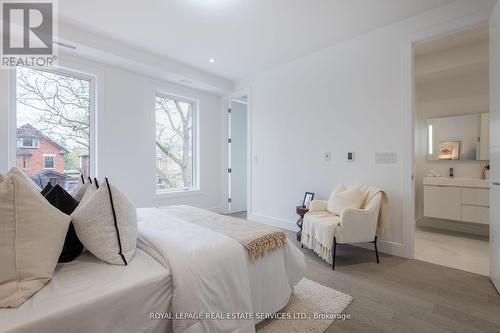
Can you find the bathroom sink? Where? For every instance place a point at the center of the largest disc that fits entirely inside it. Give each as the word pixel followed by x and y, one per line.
pixel 454 181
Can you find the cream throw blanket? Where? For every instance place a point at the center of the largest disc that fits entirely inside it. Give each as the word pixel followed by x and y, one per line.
pixel 383 225
pixel 257 238
pixel 318 232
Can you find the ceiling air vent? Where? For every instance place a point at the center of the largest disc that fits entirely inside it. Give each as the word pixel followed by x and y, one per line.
pixel 65 45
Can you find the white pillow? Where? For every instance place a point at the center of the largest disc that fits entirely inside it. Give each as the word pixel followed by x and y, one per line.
pixel 79 192
pixel 16 171
pixel 32 234
pixel 109 239
pixel 343 199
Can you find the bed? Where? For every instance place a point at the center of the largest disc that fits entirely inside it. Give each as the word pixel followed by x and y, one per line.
pixel 212 273
pixel 179 268
pixel 89 295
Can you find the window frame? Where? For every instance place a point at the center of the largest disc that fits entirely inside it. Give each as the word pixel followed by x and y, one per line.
pixel 195 188
pixel 36 143
pixel 74 70
pixel 45 161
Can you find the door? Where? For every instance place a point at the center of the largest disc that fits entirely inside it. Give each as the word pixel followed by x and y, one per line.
pixel 495 146
pixel 495 217
pixel 238 155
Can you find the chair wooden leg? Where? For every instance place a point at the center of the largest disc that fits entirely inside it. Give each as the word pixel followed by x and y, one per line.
pixel 334 252
pixel 376 250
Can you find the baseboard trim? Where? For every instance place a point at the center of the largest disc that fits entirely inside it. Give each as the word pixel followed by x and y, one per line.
pixel 275 222
pixel 389 247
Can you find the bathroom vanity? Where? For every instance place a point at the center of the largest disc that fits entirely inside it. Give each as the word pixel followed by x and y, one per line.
pixel 457 199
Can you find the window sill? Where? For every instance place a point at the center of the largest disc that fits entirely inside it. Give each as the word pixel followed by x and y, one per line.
pixel 177 194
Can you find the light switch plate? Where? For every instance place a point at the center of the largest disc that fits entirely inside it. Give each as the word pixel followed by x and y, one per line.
pixel 350 157
pixel 385 157
pixel 327 156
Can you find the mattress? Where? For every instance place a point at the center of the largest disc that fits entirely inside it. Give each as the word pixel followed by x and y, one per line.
pixel 89 295
pixel 213 274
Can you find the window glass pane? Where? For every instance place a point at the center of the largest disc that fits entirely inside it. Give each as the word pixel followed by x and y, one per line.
pixel 53 126
pixel 174 144
pixel 49 162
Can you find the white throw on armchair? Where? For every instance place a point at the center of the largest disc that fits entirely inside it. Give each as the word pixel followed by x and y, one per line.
pixel 323 229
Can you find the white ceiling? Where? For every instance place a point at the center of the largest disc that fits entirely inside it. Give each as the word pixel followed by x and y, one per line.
pixel 244 36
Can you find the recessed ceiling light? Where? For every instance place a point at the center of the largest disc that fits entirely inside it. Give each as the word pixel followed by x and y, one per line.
pixel 211 60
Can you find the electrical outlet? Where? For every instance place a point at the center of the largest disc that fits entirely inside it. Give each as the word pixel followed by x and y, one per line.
pixel 388 157
pixel 350 157
pixel 327 156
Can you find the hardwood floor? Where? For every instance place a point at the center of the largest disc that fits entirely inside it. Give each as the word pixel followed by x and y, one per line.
pixel 401 295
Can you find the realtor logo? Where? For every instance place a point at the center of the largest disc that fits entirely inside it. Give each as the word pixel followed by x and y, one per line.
pixel 27 33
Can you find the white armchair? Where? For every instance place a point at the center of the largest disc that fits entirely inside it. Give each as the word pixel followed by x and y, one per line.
pixel 322 230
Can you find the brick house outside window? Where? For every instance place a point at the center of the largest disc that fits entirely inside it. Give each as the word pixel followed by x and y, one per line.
pixel 41 158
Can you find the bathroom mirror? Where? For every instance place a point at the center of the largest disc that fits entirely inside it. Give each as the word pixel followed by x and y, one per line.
pixel 458 138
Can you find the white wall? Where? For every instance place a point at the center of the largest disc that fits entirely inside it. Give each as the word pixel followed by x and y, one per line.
pixel 349 97
pixel 126 133
pixel 449 82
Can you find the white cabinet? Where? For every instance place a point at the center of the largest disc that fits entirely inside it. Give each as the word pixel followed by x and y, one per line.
pixel 465 200
pixel 476 197
pixel 442 202
pixel 475 214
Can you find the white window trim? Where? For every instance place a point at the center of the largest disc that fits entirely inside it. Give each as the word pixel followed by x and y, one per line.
pixel 67 68
pixel 175 193
pixel 35 146
pixel 49 155
pixel 195 189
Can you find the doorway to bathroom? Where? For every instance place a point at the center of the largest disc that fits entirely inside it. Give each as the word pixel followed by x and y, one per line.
pixel 451 145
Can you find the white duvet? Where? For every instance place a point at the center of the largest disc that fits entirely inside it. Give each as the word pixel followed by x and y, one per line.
pixel 212 274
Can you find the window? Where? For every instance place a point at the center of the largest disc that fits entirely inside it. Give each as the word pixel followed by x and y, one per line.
pixel 175 148
pixel 26 162
pixel 49 161
pixel 53 113
pixel 160 181
pixel 28 143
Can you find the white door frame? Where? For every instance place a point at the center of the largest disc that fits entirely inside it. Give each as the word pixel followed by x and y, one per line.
pixel 226 104
pixel 408 95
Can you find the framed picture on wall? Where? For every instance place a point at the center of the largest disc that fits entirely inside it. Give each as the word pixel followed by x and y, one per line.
pixel 449 150
pixel 308 197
